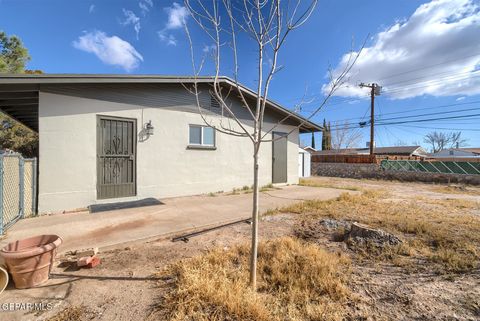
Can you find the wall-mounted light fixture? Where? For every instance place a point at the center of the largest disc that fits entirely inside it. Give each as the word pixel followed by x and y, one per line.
pixel 149 128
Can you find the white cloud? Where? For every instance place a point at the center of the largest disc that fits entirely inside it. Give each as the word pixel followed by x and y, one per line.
pixel 436 51
pixel 110 50
pixel 207 48
pixel 131 19
pixel 460 98
pixel 145 6
pixel 177 17
pixel 169 39
pixel 91 9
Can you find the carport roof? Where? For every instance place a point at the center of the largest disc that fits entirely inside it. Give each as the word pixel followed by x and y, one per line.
pixel 19 92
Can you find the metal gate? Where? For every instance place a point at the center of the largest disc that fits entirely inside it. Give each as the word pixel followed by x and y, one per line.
pixel 18 189
pixel 116 157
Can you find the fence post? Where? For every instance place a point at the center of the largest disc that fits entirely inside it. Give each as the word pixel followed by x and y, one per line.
pixel 1 194
pixel 34 186
pixel 21 171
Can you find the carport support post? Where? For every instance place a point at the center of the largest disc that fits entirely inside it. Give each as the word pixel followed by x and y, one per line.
pixel 253 252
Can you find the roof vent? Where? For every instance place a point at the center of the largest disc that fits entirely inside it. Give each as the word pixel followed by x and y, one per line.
pixel 214 103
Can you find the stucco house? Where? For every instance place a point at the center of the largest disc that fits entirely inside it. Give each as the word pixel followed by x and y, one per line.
pixel 457 153
pixel 380 151
pixel 114 138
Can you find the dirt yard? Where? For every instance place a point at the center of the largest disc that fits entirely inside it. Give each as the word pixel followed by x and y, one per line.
pixel 430 273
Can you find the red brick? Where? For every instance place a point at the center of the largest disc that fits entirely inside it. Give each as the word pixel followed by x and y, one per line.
pixel 94 262
pixel 83 261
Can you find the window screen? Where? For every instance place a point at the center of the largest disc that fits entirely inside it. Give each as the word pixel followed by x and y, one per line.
pixel 201 135
pixel 195 135
pixel 208 136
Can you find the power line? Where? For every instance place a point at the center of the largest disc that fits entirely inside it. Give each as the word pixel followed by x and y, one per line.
pixel 398 89
pixel 439 113
pixel 416 109
pixel 415 121
pixel 447 73
pixel 428 83
pixel 422 120
pixel 440 128
pixel 427 67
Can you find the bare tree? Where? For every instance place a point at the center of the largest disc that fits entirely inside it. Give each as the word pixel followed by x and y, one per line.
pixel 344 136
pixel 456 140
pixel 266 25
pixel 400 142
pixel 440 140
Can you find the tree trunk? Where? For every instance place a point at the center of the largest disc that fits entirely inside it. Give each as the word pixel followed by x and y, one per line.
pixel 253 253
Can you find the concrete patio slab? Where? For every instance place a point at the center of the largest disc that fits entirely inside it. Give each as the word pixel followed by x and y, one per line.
pixel 175 215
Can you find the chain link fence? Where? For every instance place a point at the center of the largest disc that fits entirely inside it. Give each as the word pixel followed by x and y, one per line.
pixel 18 184
pixel 465 168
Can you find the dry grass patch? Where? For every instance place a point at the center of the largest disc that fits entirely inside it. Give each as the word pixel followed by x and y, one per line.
pixel 315 183
pixel 453 204
pixel 456 189
pixel 72 313
pixel 296 281
pixel 446 234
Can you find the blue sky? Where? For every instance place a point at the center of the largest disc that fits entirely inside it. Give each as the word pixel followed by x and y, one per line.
pixel 425 54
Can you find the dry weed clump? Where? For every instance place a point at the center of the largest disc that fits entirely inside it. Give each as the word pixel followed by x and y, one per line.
pixel 446 233
pixel 296 281
pixel 456 189
pixel 312 183
pixel 71 313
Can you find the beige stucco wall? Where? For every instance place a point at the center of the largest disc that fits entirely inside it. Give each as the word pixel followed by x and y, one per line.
pixel 165 167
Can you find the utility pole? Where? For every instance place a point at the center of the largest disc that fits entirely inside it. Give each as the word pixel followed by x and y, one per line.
pixel 374 91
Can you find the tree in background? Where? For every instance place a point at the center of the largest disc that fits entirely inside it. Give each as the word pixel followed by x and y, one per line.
pixel 13 55
pixel 326 136
pixel 329 137
pixel 345 137
pixel 439 140
pixel 17 137
pixel 456 140
pixel 14 135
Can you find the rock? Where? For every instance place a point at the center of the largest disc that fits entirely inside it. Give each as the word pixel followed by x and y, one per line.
pixel 362 234
pixel 332 224
pixel 87 252
pixel 316 230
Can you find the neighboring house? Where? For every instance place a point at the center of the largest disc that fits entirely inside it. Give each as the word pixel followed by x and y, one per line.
pixel 111 138
pixel 309 149
pixel 457 152
pixel 379 151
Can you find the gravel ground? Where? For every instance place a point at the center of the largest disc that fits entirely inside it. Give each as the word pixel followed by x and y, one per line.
pixel 126 286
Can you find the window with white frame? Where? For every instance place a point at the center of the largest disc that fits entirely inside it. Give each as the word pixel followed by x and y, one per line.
pixel 201 136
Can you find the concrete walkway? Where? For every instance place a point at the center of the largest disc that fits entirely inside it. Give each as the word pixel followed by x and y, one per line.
pixel 176 215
